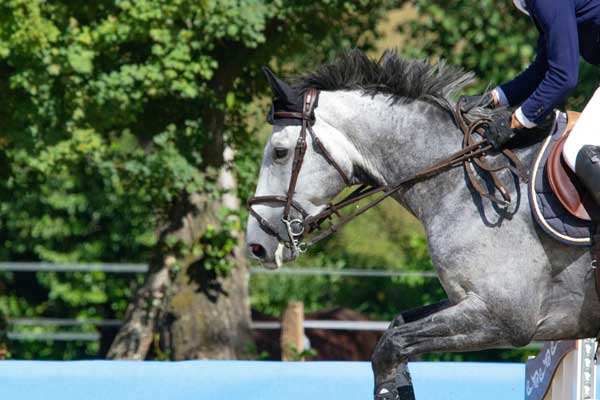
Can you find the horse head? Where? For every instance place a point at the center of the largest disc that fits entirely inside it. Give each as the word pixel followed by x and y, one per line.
pixel 298 176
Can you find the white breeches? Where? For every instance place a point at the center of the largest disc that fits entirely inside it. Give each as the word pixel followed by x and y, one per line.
pixel 586 130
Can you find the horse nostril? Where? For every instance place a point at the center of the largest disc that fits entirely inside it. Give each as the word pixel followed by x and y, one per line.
pixel 258 251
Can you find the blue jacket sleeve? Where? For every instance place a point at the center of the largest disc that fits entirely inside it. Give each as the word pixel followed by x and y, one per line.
pixel 520 88
pixel 558 26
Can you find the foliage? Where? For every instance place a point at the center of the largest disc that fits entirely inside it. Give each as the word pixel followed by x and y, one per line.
pixel 491 38
pixel 114 110
pixel 252 350
pixel 301 355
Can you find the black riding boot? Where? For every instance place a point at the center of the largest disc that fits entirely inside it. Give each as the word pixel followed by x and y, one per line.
pixel 587 169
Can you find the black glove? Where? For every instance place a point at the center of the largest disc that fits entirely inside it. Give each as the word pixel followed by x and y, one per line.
pixel 467 103
pixel 545 124
pixel 498 132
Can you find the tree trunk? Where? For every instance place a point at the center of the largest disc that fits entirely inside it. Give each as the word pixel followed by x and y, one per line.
pixel 207 317
pixel 186 309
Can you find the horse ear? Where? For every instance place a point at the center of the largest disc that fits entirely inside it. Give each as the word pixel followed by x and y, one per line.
pixel 281 90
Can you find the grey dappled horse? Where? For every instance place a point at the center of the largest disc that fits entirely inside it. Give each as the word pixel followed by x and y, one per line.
pixel 507 282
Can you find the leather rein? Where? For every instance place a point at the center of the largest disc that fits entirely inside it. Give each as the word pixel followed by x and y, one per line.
pixel 296 227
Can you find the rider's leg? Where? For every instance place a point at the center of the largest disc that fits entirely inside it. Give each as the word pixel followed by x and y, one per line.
pixel 582 148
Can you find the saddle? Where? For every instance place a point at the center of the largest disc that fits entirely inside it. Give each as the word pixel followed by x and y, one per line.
pixel 560 207
pixel 565 184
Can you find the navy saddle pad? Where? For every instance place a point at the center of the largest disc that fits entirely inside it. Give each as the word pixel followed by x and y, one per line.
pixel 547 210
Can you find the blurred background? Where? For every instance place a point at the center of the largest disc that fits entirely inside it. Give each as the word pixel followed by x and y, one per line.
pixel 132 130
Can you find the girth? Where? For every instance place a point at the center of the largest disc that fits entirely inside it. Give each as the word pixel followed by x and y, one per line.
pixel 475 148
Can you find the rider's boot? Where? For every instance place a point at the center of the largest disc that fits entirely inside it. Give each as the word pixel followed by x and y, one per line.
pixel 587 169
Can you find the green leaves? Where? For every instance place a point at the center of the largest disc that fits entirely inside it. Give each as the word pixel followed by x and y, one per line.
pixel 216 248
pixel 491 38
pixel 112 112
pixel 80 59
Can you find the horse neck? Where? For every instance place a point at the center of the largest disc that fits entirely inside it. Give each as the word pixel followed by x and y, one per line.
pixel 393 142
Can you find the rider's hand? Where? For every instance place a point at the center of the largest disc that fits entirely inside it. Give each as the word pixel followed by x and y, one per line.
pixel 504 126
pixel 487 100
pixel 515 123
pixel 499 130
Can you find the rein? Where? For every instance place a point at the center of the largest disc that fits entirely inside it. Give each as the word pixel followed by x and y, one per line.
pixel 473 151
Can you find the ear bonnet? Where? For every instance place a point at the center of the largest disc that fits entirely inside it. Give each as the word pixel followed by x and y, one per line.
pixel 285 98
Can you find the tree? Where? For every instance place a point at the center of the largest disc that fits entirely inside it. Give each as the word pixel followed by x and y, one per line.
pixel 119 124
pixel 491 38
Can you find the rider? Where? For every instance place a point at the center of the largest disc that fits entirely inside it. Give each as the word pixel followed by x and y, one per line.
pixel 567 28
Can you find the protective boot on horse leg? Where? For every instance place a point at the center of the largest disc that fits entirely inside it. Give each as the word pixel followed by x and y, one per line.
pixel 400 386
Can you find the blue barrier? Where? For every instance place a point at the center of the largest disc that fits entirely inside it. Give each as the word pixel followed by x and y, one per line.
pixel 247 380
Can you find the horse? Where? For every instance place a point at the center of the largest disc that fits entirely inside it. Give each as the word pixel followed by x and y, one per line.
pixel 380 122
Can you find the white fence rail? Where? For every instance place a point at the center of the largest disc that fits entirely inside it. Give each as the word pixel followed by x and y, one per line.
pixel 308 324
pixel 55 336
pixel 377 326
pixel 93 336
pixel 63 322
pixel 72 267
pixel 143 268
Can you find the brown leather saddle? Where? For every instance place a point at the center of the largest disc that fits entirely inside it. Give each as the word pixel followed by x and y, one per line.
pixel 565 185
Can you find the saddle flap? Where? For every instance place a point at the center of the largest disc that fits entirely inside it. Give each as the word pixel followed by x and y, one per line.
pixel 565 185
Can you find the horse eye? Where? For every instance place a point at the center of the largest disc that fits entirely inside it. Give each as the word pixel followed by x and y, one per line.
pixel 280 153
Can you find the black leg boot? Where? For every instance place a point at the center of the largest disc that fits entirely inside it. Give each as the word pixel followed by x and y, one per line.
pixel 587 169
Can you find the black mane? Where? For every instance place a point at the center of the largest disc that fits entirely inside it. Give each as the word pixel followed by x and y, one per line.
pixel 404 80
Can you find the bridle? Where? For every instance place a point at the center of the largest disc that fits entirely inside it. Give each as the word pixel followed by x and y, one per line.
pixel 297 227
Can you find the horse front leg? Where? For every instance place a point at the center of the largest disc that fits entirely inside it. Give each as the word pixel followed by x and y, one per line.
pixel 402 385
pixel 467 325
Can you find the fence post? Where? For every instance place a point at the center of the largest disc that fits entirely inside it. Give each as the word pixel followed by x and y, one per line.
pixel 3 337
pixel 292 331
